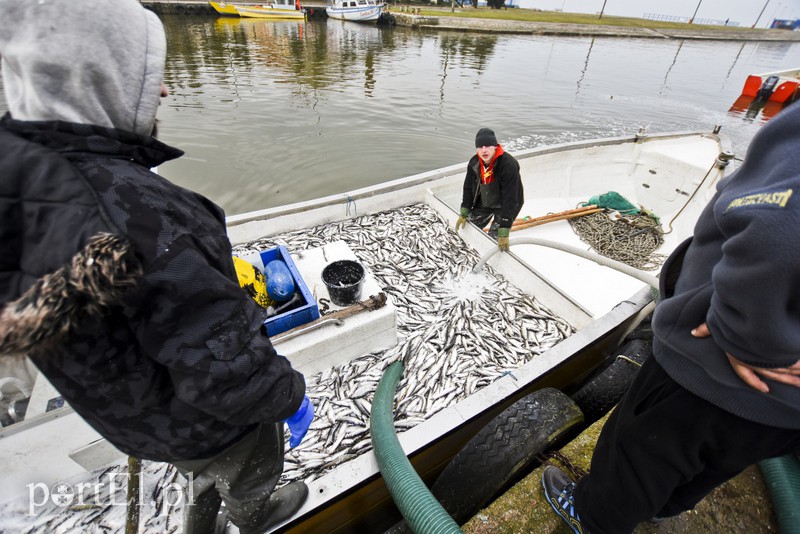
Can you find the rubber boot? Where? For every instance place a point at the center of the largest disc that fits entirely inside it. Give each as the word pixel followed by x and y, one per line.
pixel 200 517
pixel 283 504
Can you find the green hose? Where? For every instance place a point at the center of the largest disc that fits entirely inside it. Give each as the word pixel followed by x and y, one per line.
pixel 421 510
pixel 782 476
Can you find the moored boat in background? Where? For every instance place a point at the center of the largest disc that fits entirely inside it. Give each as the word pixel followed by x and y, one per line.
pixel 355 10
pixel 279 10
pixel 779 86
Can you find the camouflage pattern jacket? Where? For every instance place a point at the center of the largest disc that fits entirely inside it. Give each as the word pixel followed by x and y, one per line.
pixel 120 287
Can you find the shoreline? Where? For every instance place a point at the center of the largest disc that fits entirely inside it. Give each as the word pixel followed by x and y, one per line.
pixel 488 25
pixel 586 30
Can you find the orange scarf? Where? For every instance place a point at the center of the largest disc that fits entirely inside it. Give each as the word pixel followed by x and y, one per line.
pixel 487 171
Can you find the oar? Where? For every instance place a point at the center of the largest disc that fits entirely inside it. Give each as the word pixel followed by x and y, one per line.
pixel 521 224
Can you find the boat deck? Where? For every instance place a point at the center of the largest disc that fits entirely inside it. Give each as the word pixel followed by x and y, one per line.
pixel 664 178
pixel 458 332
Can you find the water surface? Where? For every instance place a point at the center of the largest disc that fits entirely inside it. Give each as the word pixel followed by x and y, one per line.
pixel 275 112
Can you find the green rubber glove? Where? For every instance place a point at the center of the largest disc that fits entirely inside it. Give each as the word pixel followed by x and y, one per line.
pixel 502 239
pixel 462 219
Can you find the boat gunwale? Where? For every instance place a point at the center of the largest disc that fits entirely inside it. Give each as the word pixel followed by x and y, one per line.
pixel 444 172
pixel 33 422
pixel 781 73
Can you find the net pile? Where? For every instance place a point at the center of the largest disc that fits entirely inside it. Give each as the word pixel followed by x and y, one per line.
pixel 631 239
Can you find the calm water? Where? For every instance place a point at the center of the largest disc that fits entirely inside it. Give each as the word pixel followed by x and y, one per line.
pixel 275 112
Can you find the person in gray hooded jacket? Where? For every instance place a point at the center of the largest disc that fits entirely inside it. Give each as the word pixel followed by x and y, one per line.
pixel 118 284
pixel 722 391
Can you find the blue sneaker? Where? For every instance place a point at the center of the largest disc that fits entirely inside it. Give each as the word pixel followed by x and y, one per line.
pixel 558 488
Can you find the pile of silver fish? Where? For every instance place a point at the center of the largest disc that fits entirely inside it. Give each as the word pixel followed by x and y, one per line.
pixel 97 502
pixel 458 332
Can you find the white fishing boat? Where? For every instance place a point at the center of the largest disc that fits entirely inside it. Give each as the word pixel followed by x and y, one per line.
pixel 573 312
pixel 355 10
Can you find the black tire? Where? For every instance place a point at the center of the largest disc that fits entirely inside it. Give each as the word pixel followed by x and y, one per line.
pixel 605 390
pixel 504 449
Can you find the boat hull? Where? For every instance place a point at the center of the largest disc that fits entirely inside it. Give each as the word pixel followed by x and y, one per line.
pixel 224 8
pixel 355 14
pixel 782 90
pixel 258 11
pixel 271 13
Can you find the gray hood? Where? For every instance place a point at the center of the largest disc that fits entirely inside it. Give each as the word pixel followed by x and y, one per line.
pixel 86 61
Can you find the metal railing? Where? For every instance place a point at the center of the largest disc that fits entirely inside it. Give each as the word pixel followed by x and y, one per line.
pixel 674 18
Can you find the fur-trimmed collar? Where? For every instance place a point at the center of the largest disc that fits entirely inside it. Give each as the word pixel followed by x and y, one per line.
pixel 56 304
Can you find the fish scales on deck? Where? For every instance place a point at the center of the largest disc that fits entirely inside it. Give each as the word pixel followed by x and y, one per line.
pixel 455 337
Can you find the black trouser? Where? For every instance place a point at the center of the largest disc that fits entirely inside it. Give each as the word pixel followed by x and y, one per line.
pixel 663 449
pixel 243 475
pixel 480 217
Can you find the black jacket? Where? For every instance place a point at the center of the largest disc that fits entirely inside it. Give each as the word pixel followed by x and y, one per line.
pixel 740 274
pixel 504 194
pixel 120 287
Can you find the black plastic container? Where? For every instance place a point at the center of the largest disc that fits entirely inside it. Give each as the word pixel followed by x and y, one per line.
pixel 344 280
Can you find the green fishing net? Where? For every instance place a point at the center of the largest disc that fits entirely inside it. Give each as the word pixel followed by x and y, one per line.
pixel 613 201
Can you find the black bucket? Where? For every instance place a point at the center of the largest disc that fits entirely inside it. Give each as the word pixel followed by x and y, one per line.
pixel 344 279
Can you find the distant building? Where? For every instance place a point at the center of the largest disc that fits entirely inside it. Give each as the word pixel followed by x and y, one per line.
pixel 785 24
pixel 483 3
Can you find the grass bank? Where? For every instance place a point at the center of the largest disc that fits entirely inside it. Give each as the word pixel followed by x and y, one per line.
pixel 531 15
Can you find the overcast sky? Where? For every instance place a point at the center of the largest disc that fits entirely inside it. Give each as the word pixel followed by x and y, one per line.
pixel 745 12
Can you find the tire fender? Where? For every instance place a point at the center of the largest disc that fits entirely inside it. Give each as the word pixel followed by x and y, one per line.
pixel 503 450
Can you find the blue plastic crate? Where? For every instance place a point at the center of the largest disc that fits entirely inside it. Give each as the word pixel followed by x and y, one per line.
pixel 298 316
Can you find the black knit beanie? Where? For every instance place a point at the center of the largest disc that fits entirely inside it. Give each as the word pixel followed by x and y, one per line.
pixel 485 137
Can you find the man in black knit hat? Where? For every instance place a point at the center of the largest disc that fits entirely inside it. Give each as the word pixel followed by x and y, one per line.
pixel 492 189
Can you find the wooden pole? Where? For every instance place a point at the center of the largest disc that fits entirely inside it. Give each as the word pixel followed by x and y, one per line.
pixel 695 11
pixel 557 214
pixel 569 214
pixel 134 472
pixel 759 15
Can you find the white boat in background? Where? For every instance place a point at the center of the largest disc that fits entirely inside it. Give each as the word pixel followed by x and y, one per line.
pixel 355 10
pixel 671 175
